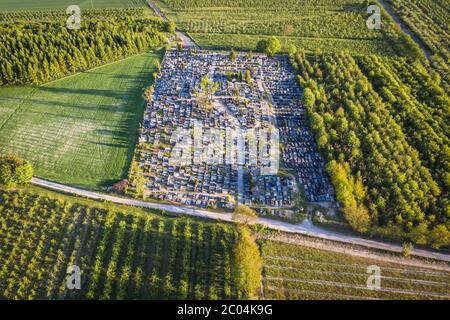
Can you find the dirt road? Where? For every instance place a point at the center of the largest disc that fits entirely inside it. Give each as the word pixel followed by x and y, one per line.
pixel 305 228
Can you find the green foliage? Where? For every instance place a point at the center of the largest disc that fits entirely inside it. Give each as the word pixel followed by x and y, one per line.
pixel 249 265
pixel 7 6
pixel 270 47
pixel 429 20
pixel 171 27
pixel 14 171
pixel 123 253
pixel 244 215
pixel 440 236
pixel 248 76
pixel 358 218
pixel 421 106
pixel 343 184
pixel 369 138
pixel 48 50
pixel 407 248
pixel 136 184
pixel 40 15
pixel 233 55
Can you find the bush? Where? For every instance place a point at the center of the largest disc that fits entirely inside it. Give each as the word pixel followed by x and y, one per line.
pixel 358 218
pixel 440 237
pixel 407 249
pixel 14 171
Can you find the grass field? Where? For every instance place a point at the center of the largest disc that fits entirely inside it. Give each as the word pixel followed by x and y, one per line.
pixel 295 272
pixel 122 252
pixel 12 5
pixel 79 130
pixel 324 24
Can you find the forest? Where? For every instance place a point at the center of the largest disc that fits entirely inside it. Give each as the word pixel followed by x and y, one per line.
pixel 378 137
pixel 47 50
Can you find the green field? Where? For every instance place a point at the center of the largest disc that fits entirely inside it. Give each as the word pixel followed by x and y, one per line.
pixel 301 273
pixel 12 5
pixel 79 130
pixel 318 24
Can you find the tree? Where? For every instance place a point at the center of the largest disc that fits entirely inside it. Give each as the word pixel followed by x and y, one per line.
pixel 309 98
pixel 269 46
pixel 14 171
pixel 343 184
pixel 439 237
pixel 233 55
pixel 419 234
pixel 244 215
pixel 407 248
pixel 148 93
pixel 249 264
pixel 248 77
pixel 292 50
pixel 209 88
pixel 170 27
pixel 358 218
pixel 136 185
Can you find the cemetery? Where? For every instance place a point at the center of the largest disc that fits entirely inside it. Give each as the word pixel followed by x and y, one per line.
pixel 208 138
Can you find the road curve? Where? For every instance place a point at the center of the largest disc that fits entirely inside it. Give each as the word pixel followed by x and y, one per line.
pixel 305 228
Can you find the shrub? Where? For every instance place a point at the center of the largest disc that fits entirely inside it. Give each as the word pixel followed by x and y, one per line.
pixel 407 249
pixel 14 171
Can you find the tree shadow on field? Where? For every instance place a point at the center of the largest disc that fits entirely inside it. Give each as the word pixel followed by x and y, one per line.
pixel 136 77
pixel 118 94
pixel 118 107
pixel 107 182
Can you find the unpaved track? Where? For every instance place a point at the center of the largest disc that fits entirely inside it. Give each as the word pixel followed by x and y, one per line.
pixel 405 28
pixel 305 228
pixel 187 41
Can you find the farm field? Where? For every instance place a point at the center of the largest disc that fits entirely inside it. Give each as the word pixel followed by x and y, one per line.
pixel 395 113
pixel 12 5
pixel 429 20
pixel 301 273
pixel 331 25
pixel 122 253
pixel 79 130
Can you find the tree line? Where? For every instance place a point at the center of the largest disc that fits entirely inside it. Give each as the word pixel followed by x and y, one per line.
pixel 33 53
pixel 378 175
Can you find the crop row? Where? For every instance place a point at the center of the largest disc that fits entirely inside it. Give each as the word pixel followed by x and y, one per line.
pixel 121 256
pixel 296 272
